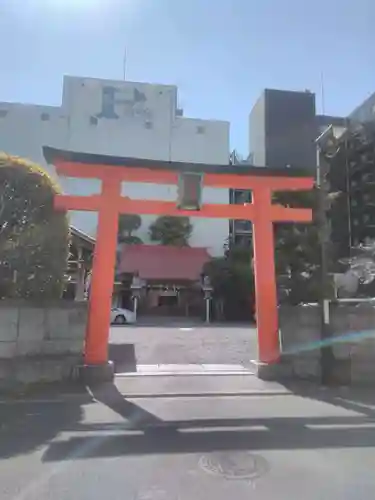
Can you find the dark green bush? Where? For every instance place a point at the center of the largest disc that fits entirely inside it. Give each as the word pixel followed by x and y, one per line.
pixel 34 237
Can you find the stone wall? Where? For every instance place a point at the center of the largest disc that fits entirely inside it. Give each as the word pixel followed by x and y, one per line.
pixel 40 342
pixel 353 330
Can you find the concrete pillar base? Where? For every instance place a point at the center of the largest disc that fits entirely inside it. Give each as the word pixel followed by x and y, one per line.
pixel 276 372
pixel 97 374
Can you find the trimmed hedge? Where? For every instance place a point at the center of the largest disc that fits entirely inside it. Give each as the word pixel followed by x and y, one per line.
pixel 34 237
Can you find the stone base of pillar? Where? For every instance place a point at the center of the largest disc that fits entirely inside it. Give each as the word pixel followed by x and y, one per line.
pixel 97 374
pixel 274 372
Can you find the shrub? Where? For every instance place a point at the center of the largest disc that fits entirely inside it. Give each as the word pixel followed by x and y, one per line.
pixel 34 237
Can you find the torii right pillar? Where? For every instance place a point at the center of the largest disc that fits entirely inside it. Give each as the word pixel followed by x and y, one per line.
pixel 264 215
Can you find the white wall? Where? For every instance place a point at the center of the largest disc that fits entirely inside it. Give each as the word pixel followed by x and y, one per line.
pixel 126 134
pixel 121 119
pixel 23 130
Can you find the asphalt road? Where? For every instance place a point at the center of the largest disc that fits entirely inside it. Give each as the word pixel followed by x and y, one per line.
pixel 267 443
pixel 188 437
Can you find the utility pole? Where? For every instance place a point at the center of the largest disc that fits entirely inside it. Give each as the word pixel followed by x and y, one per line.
pixel 324 145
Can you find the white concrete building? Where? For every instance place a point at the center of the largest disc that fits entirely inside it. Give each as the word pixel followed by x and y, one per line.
pixel 123 119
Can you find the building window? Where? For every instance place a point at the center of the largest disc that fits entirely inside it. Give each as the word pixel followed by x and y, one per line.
pixel 368 177
pixel 44 117
pixel 241 196
pixel 3 113
pixel 201 129
pixel 242 225
pixel 366 197
pixel 365 158
pixel 242 240
pixel 93 120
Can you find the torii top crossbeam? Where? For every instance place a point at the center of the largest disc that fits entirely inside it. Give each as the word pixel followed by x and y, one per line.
pixel 112 171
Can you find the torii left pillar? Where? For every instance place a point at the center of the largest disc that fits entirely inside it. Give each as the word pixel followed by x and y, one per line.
pixel 97 366
pixel 96 352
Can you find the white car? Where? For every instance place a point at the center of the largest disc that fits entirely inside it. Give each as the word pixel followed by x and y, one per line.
pixel 121 316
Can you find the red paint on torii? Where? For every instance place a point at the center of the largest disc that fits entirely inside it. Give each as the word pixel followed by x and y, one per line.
pixel 109 204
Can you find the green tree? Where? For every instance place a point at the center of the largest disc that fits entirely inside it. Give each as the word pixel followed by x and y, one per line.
pixel 232 279
pixel 174 231
pixel 297 249
pixel 298 246
pixel 34 237
pixel 128 223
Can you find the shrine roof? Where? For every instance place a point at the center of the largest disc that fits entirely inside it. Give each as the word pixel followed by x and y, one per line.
pixel 163 263
pixel 78 233
pixel 51 155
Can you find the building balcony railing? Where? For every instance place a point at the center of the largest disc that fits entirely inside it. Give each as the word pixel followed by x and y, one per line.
pixel 365 186
pixel 362 205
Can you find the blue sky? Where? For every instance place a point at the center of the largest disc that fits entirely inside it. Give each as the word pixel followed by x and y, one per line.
pixel 221 53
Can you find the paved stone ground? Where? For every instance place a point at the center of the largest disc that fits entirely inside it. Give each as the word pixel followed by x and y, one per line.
pixel 187 344
pixel 268 444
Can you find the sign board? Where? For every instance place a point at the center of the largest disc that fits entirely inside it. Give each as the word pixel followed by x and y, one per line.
pixel 189 191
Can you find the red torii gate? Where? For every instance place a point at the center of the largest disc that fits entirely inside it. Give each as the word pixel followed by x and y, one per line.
pixel 112 171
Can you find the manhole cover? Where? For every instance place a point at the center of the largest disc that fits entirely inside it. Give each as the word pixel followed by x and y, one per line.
pixel 234 465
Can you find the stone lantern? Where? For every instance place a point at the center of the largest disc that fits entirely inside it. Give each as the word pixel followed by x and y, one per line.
pixel 136 288
pixel 207 290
